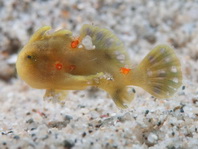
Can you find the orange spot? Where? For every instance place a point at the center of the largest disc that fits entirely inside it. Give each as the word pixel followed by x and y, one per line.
pixel 75 43
pixel 72 67
pixel 59 66
pixel 124 70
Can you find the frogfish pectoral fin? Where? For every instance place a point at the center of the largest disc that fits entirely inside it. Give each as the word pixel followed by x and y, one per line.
pixel 122 96
pixel 55 95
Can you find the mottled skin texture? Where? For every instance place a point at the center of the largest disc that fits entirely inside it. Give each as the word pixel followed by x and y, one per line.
pixel 38 64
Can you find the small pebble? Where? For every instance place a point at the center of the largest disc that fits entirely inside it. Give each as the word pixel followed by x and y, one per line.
pixel 152 138
pixel 67 144
pixel 30 121
pixel 84 134
pixel 147 111
pixel 16 137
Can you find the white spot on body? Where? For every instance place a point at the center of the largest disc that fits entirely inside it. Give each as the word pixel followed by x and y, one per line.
pixel 89 83
pixel 167 59
pixel 172 88
pixel 80 46
pixel 87 43
pixel 107 76
pixel 176 80
pixel 174 69
pixel 96 80
pixel 149 73
pixel 119 56
pixel 162 50
pixel 117 53
pixel 161 73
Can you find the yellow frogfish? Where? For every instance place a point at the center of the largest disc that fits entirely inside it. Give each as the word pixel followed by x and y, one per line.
pixel 59 61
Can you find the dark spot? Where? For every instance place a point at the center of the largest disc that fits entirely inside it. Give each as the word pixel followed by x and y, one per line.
pixel 4 143
pixel 16 137
pixel 108 42
pixel 67 144
pixel 98 125
pixel 68 117
pixel 118 91
pixel 151 59
pixel 146 112
pixel 99 36
pixel 84 134
pixel 171 147
pixel 150 38
pixel 81 106
pixel 181 110
pixel 13 45
pixel 134 91
pixel 33 129
pixel 194 100
pixel 156 89
pixel 30 121
pixel 30 30
pixel 162 74
pixel 28 113
pixel 89 32
pixel 45 137
pixel 108 56
pixel 159 123
pixel 133 8
pixel 173 133
pixel 183 87
pixel 58 124
pixel 29 56
pixel 33 135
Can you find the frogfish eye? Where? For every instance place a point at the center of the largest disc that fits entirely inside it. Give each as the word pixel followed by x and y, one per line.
pixel 29 56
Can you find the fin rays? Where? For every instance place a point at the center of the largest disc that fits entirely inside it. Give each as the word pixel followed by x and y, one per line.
pixel 104 39
pixel 162 72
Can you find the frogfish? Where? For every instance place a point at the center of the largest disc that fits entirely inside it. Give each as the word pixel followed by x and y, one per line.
pixel 60 61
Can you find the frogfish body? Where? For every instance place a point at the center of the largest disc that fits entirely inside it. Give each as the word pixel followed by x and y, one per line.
pixel 59 61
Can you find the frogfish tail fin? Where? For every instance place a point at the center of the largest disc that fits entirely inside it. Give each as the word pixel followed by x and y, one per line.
pixel 159 73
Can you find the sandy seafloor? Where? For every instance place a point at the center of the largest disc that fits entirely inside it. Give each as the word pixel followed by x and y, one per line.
pixel 89 118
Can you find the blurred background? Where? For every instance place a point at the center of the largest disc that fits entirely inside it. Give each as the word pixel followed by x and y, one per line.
pixel 140 24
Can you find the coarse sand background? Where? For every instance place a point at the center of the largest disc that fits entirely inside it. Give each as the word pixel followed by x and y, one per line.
pixel 89 118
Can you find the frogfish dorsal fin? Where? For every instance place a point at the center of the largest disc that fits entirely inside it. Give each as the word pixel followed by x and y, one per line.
pixel 39 34
pixel 104 39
